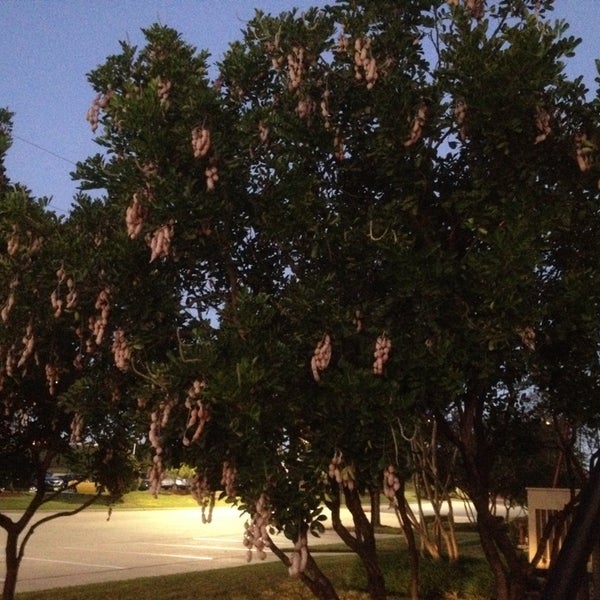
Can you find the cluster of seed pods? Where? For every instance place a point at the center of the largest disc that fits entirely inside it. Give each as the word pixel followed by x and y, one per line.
pixel 10 364
pixel 365 65
pixel 417 126
pixel 584 150
pixel 383 347
pixel 339 146
pixel 51 372
pixel 542 124
pixel 13 243
pixel 340 472
pixel 527 335
pixel 391 483
pixel 475 7
pixel 32 244
pixel 200 141
pixel 77 424
pixel 70 300
pixel 343 43
pixel 212 177
pixel 98 323
pixel 203 494
pixel 99 103
pixel 263 132
pixel 136 214
pixel 164 91
pixel 10 299
pixel 296 67
pixel 256 534
pixel 305 107
pixel 321 357
pixel 160 241
pixel 199 413
pixel 28 341
pixel 460 115
pixel 7 306
pixel 299 558
pixel 324 106
pixel 121 350
pixel 158 420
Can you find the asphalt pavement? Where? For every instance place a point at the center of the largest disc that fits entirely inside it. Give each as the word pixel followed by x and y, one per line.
pixel 90 548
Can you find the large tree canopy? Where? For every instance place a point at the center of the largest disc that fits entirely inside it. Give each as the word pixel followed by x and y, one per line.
pixel 376 212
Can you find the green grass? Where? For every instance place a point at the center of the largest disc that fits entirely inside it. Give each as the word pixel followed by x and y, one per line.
pixel 133 500
pixel 468 579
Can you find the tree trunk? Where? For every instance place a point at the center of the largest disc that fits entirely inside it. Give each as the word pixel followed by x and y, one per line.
pixel 318 583
pixel 568 570
pixel 13 563
pixel 509 568
pixel 366 546
pixel 362 542
pixel 374 493
pixel 312 576
pixel 596 571
pixel 413 552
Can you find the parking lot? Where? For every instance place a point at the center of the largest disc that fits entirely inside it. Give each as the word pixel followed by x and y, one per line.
pixel 88 548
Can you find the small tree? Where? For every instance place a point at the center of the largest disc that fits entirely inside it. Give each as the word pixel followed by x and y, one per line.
pixel 49 408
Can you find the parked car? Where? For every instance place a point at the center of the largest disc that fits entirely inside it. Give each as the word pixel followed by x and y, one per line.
pixel 56 482
pixel 181 483
pixel 167 483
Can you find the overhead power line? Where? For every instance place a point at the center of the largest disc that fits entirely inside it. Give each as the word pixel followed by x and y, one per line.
pixel 22 139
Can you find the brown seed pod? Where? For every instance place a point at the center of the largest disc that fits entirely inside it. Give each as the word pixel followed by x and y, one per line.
pixel 201 141
pixel 417 126
pixel 321 357
pixel 383 346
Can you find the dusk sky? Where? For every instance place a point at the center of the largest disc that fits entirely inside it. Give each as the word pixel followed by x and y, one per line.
pixel 48 46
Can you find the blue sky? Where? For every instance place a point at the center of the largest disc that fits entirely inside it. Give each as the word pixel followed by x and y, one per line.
pixel 48 46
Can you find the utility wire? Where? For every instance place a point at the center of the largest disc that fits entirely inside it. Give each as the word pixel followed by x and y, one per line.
pixel 67 160
pixel 18 137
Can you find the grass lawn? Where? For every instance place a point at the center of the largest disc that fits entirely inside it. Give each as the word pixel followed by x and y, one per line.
pixel 137 500
pixel 69 500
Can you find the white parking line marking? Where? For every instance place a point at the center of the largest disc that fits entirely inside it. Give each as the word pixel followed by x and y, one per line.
pixel 141 553
pixel 237 548
pixel 70 562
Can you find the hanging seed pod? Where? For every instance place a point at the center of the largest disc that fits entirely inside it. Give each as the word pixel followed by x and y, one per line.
pixel 527 335
pixel 121 350
pixel 321 357
pixel 212 177
pixel 391 483
pixel 13 242
pixel 201 141
pixel 583 152
pixel 365 65
pixel 135 215
pixel 542 124
pixel 383 346
pixel 417 126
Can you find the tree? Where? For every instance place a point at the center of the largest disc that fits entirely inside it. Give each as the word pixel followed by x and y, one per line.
pixel 359 176
pixel 56 399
